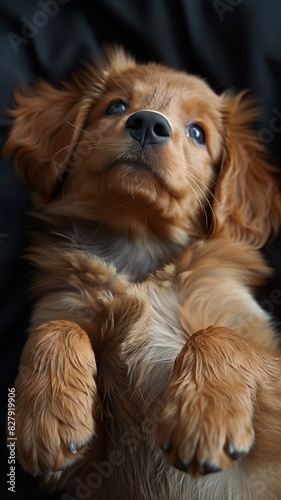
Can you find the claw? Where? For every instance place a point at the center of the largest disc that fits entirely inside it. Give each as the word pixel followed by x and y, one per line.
pixel 166 446
pixel 235 454
pixel 72 448
pixel 207 468
pixel 182 465
pixel 60 469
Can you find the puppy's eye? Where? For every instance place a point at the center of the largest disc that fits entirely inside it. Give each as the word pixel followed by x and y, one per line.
pixel 116 108
pixel 196 134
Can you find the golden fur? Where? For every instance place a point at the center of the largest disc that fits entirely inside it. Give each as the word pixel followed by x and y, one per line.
pixel 145 332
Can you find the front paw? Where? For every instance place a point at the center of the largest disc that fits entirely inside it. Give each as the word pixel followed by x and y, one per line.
pixel 207 418
pixel 55 398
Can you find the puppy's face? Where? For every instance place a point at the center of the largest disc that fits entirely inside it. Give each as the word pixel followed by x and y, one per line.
pixel 146 150
pixel 149 150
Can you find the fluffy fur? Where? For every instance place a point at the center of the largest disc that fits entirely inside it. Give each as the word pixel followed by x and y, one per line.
pixel 145 332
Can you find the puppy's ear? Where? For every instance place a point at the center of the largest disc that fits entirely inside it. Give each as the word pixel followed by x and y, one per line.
pixel 248 203
pixel 46 127
pixel 48 121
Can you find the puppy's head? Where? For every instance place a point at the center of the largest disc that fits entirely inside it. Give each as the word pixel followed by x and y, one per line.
pixel 145 149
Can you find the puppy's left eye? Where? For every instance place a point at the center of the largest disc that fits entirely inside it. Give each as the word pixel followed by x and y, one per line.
pixel 196 134
pixel 116 108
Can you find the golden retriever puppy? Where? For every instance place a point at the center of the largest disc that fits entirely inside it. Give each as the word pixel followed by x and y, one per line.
pixel 150 372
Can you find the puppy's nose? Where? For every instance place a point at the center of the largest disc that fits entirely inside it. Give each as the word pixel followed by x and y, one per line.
pixel 148 127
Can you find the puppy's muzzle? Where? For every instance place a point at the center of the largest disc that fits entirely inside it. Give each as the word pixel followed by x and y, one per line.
pixel 148 128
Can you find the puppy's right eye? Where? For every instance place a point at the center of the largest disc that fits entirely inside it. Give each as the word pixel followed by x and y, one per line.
pixel 116 108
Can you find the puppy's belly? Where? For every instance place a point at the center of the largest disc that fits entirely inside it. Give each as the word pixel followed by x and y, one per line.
pixel 164 339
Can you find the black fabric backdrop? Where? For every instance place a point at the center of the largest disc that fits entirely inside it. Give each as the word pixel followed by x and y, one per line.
pixel 231 43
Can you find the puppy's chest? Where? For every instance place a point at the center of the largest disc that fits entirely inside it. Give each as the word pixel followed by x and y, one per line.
pixel 130 259
pixel 135 259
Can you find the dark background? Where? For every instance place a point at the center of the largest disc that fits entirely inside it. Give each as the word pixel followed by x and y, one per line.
pixel 231 43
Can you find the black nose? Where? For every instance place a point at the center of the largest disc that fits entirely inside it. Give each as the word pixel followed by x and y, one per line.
pixel 148 127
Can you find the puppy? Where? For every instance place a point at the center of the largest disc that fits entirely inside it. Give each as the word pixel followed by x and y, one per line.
pixel 150 370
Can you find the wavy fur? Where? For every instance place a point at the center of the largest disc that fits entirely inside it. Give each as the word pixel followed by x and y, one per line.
pixel 145 331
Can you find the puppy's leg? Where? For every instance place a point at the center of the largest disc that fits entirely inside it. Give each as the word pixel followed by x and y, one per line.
pixel 219 389
pixel 56 397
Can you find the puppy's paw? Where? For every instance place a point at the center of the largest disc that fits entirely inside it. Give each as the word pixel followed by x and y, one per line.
pixel 56 398
pixel 206 420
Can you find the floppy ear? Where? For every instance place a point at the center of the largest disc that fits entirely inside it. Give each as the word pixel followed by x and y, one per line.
pixel 248 203
pixel 48 121
pixel 47 125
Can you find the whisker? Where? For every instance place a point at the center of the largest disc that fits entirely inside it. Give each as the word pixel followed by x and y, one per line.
pixel 79 128
pixel 199 201
pixel 202 173
pixel 192 176
pixel 76 151
pixel 204 195
pixel 73 151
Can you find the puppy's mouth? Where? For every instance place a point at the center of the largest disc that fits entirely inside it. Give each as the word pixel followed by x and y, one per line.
pixel 134 165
